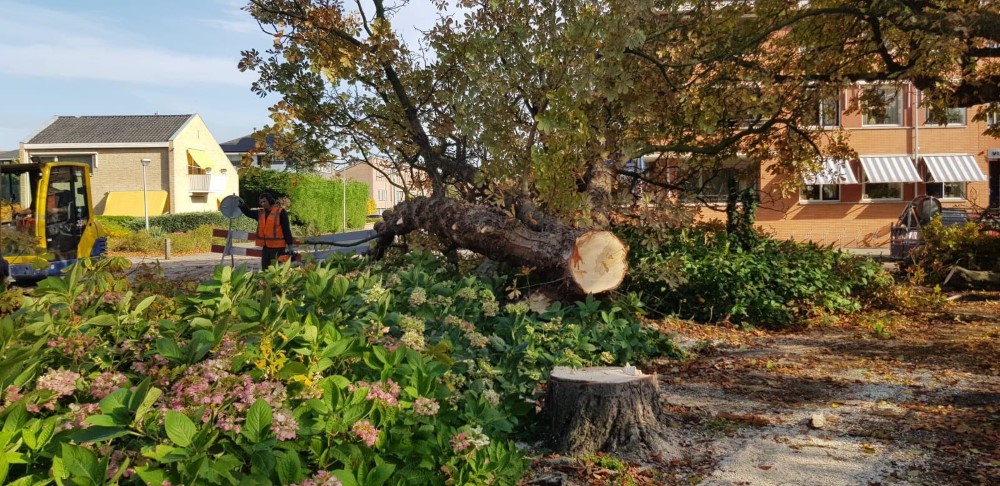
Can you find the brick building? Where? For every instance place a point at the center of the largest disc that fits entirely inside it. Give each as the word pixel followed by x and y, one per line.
pixel 901 155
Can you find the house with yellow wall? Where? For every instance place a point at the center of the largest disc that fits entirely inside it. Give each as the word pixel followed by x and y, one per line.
pixel 171 160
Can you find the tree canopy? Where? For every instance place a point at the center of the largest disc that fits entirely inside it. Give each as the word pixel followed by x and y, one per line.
pixel 538 106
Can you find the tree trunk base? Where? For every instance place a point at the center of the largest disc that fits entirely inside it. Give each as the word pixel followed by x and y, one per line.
pixel 602 409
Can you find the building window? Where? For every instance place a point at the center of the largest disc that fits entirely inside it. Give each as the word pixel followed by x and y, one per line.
pixel 946 190
pixel 888 113
pixel 827 114
pixel 381 194
pixel 993 119
pixel 399 195
pixel 820 192
pixel 712 185
pixel 885 191
pixel 954 117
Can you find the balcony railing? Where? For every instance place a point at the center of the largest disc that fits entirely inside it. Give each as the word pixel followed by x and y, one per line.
pixel 206 183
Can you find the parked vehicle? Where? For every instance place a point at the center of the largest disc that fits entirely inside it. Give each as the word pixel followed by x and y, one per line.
pixel 46 219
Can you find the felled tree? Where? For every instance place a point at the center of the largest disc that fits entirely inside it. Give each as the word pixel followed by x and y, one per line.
pixel 525 117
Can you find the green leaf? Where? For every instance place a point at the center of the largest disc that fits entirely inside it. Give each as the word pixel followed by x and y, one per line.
pixel 102 420
pixel 116 402
pixel 340 286
pixel 378 476
pixel 141 306
pixel 98 433
pixel 291 369
pixel 258 421
pixel 16 418
pixel 169 349
pixel 147 404
pixel 151 475
pixel 82 465
pixel 180 428
pixel 289 467
pixel 346 477
pixel 101 320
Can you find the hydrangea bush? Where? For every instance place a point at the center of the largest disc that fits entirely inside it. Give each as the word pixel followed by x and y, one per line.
pixel 349 372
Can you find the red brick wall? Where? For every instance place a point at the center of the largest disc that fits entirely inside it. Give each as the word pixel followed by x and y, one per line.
pixel 851 222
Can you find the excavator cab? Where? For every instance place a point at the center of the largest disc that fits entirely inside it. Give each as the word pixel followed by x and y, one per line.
pixel 46 219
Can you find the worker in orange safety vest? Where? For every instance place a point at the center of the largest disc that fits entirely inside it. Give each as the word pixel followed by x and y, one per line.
pixel 274 232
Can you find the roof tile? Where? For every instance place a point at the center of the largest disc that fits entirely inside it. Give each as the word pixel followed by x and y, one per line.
pixel 110 129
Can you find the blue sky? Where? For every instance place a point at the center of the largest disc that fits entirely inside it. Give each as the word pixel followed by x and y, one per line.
pixel 129 57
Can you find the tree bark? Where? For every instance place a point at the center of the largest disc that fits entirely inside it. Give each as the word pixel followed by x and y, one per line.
pixel 602 409
pixel 587 261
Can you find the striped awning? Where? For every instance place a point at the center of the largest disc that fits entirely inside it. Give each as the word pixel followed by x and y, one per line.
pixel 833 172
pixel 954 168
pixel 889 168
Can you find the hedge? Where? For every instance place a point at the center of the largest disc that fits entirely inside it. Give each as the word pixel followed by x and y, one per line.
pixel 317 203
pixel 177 223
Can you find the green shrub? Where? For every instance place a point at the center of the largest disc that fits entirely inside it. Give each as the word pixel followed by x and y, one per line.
pixel 151 242
pixel 174 223
pixel 389 373
pixel 317 203
pixel 701 274
pixel 946 246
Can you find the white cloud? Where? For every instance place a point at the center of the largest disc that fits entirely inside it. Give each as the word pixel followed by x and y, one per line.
pixel 115 63
pixel 41 42
pixel 88 60
pixel 232 18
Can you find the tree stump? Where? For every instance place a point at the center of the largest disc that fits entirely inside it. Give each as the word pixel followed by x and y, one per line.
pixel 602 409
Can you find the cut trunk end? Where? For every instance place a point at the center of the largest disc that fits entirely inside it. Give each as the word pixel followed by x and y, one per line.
pixel 598 262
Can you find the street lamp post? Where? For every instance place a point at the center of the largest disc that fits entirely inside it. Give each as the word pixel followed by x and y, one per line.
pixel 343 182
pixel 145 202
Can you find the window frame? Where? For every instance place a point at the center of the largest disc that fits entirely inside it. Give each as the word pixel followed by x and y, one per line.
pixel 899 100
pixel 943 193
pixel 743 176
pixel 963 123
pixel 993 119
pixel 865 185
pixel 803 198
pixel 820 111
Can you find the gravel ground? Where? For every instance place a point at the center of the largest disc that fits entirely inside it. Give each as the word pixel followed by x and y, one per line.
pixel 918 403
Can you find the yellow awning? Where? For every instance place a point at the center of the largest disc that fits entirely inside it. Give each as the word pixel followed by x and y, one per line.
pixel 202 159
pixel 129 203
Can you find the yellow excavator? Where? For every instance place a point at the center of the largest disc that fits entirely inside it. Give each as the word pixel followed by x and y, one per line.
pixel 46 219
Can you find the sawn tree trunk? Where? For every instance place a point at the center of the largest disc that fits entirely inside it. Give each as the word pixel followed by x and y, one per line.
pixel 590 261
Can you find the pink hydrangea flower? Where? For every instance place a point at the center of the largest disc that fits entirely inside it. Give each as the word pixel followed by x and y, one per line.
pixel 284 425
pixel 426 406
pixel 460 442
pixel 321 478
pixel 62 382
pixel 366 432
pixel 105 383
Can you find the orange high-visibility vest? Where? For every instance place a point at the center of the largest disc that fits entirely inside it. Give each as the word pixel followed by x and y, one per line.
pixel 269 232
